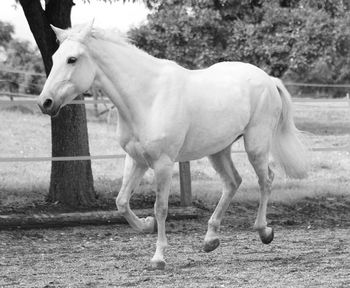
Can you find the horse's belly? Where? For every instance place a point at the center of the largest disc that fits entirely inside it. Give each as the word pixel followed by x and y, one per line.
pixel 212 133
pixel 196 150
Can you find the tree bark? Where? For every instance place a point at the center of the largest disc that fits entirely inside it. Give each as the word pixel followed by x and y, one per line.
pixel 71 183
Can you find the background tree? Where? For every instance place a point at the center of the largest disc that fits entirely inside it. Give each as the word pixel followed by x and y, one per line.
pixel 299 40
pixel 8 81
pixel 6 33
pixel 71 183
pixel 18 55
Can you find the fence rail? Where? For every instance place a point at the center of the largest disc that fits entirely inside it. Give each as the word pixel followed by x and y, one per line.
pixel 122 156
pixel 317 85
pixel 345 99
pixel 17 71
pixel 61 158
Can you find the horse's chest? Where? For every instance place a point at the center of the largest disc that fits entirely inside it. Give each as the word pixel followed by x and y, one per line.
pixel 135 149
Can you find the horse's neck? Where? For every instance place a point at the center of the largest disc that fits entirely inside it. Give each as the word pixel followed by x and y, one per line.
pixel 127 75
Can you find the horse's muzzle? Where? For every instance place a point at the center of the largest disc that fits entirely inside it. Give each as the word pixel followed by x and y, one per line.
pixel 47 106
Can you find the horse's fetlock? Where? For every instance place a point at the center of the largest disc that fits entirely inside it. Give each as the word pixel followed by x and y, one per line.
pixel 122 206
pixel 162 244
pixel 260 226
pixel 214 224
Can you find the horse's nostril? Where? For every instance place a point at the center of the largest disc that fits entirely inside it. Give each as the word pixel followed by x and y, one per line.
pixel 48 103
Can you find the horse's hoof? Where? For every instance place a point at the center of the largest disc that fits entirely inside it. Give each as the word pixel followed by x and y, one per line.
pixel 265 236
pixel 211 245
pixel 158 265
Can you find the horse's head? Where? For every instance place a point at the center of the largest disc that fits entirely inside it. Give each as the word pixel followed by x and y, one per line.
pixel 72 73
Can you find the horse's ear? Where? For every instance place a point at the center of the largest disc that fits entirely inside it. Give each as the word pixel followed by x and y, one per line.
pixel 86 30
pixel 60 33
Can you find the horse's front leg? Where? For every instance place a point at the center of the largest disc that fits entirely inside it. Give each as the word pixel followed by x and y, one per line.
pixel 133 173
pixel 163 169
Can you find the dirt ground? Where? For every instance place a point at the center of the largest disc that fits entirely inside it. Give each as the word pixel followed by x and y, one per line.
pixel 311 249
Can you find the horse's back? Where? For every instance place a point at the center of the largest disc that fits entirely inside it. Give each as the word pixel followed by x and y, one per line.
pixel 228 83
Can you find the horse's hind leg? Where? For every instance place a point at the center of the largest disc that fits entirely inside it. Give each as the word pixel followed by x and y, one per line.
pixel 223 165
pixel 257 147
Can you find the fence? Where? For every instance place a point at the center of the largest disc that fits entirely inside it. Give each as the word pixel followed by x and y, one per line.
pixel 184 168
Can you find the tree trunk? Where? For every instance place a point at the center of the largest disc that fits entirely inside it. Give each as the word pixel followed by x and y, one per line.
pixel 71 182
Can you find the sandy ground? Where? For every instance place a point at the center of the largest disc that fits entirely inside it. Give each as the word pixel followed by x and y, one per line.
pixel 303 254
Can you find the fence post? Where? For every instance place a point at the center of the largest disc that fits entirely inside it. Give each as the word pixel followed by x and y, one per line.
pixel 185 183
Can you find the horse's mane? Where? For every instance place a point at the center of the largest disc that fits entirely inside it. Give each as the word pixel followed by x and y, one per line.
pixel 113 35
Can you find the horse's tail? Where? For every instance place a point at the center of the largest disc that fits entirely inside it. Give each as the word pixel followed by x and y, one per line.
pixel 287 148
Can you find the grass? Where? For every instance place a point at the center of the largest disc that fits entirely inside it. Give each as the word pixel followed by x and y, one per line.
pixel 24 132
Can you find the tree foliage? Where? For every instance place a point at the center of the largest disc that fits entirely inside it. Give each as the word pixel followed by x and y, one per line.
pixel 6 33
pixel 19 55
pixel 300 40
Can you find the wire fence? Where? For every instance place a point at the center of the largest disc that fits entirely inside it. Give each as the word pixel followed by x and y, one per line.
pixel 30 99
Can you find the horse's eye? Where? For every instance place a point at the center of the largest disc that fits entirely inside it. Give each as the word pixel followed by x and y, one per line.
pixel 71 60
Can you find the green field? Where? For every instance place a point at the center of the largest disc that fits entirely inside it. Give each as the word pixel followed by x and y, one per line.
pixel 27 134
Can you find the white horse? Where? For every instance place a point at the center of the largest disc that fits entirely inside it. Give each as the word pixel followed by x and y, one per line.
pixel 169 114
